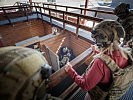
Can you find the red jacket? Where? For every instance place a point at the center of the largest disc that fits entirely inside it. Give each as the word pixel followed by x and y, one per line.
pixel 99 73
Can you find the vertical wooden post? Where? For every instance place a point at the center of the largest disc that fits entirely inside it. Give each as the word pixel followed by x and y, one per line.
pixel 94 21
pixel 86 6
pixel 78 23
pixel 43 7
pixel 6 16
pixel 1 44
pixel 81 11
pixel 63 21
pixel 50 16
pixel 30 1
pixel 66 15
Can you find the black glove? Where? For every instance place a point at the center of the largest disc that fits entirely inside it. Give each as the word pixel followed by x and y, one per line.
pixel 46 71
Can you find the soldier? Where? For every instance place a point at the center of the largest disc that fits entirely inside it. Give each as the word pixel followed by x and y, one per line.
pixel 65 55
pixel 110 59
pixel 125 17
pixel 24 74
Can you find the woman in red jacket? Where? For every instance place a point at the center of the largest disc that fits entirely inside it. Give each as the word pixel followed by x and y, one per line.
pixel 106 35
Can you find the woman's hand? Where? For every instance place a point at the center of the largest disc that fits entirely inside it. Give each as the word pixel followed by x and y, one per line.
pixel 95 49
pixel 68 66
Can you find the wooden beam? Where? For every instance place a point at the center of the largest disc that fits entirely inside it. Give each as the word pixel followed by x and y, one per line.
pixel 68 91
pixel 86 6
pixel 60 75
pixel 30 1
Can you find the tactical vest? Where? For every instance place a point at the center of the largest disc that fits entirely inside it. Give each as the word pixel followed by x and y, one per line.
pixel 122 79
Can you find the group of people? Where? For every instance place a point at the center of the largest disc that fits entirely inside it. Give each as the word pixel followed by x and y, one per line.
pixel 110 58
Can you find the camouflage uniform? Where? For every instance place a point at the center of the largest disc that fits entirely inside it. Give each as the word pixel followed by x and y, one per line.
pixel 65 55
pixel 23 73
pixel 125 17
pixel 106 33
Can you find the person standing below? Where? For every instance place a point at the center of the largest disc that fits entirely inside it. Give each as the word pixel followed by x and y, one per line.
pixel 106 35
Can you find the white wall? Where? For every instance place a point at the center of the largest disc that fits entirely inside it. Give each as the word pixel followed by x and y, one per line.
pixel 75 3
pixel 9 2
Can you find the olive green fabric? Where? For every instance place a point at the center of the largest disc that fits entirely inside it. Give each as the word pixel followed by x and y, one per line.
pixel 125 17
pixel 20 77
pixel 122 79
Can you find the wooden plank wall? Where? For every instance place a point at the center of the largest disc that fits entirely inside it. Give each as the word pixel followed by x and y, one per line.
pixel 67 39
pixel 47 27
pixel 56 42
pixel 23 30
pixel 78 45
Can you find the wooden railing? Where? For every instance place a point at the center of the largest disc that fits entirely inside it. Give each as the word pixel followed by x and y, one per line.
pixel 53 12
pixel 66 17
pixel 66 8
pixel 74 10
pixel 58 76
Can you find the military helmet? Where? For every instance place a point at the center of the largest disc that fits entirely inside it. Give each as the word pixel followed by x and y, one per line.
pixel 122 10
pixel 106 32
pixel 21 73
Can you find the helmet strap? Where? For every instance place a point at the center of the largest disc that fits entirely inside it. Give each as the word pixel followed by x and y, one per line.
pixel 115 34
